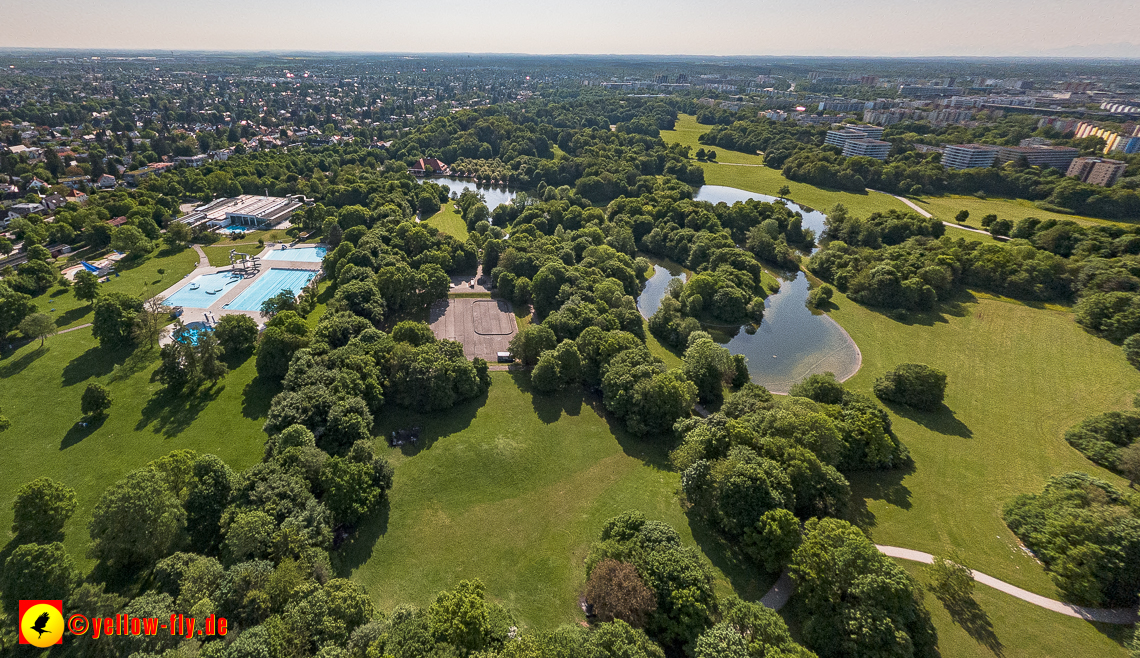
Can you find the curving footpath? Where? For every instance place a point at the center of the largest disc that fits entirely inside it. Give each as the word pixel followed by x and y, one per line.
pixel 782 591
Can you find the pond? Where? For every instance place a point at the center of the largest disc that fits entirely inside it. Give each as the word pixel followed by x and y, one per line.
pixel 792 341
pixel 494 195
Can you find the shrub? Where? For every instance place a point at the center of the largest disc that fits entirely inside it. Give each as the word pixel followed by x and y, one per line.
pixel 913 384
pixel 236 333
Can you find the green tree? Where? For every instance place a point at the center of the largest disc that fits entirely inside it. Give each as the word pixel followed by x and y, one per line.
pixel 38 571
pixel 721 641
pixel 114 318
pixel 460 617
pixel 950 581
pixel 709 366
pixel 206 499
pixel 530 342
pixel 41 508
pixel 138 520
pixel 1128 463
pixel 248 537
pixel 86 286
pixel 38 325
pixel 962 216
pixel 820 387
pixel 349 491
pixel 14 307
pixel 618 638
pixel 96 400
pixel 237 334
pixel 177 235
pixel 129 239
pixel 913 384
pixel 784 191
pixel 285 300
pixel 773 539
pixel 276 347
pixel 1132 350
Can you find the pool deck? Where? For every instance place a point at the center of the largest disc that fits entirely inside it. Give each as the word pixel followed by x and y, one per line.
pixel 217 308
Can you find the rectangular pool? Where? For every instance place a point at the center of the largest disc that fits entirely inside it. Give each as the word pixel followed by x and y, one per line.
pixel 269 284
pixel 203 291
pixel 308 254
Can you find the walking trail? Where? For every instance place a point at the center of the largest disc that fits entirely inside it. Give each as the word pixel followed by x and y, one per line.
pixel 782 591
pixel 920 210
pixel 202 260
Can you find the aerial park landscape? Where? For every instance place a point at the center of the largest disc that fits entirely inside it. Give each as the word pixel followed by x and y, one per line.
pixel 396 356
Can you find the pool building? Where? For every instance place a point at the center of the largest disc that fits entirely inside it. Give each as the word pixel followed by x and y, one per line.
pixel 247 210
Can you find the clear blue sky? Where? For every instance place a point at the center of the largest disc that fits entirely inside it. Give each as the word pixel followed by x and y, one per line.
pixel 709 27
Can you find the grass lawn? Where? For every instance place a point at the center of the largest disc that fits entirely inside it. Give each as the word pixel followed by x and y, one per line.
pixel 1018 378
pixel 512 489
pixel 727 170
pixel 219 254
pixel 139 277
pixel 40 389
pixel 1000 625
pixel 449 221
pixel 947 207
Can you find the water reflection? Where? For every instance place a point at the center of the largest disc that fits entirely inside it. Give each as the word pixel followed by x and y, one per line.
pixel 494 195
pixel 792 341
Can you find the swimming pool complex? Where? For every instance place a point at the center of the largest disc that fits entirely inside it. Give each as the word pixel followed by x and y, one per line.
pixel 269 284
pixel 203 290
pixel 309 254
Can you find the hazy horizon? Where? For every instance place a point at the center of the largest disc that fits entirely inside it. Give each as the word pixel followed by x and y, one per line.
pixel 874 28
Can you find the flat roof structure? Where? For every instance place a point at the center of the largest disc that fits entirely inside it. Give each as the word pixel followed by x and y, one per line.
pixel 244 210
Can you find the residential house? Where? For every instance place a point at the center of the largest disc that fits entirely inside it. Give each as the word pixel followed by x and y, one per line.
pixel 192 160
pixel 22 209
pixel 54 201
pixel 76 196
pixel 107 182
pixel 37 184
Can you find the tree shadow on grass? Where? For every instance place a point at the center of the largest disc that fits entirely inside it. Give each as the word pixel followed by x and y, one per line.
pixel 138 361
pixel 357 549
pixel 10 367
pixel 747 579
pixel 257 396
pixel 75 314
pixel 433 425
pixel 171 413
pixel 941 420
pixel 550 407
pixel 885 485
pixel 970 616
pixel 95 362
pixel 78 432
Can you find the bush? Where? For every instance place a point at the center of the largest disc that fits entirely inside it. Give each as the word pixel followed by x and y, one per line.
pixel 913 384
pixel 820 388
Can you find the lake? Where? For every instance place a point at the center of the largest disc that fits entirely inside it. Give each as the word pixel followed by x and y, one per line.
pixel 494 195
pixel 792 341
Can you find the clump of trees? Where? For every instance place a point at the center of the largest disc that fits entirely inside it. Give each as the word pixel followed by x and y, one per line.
pixel 1110 439
pixel 859 602
pixel 913 384
pixel 1087 533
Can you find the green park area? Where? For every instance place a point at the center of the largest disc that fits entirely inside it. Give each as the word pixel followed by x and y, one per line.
pixel 219 254
pixel 146 276
pixel 1019 377
pixel 947 208
pixel 449 221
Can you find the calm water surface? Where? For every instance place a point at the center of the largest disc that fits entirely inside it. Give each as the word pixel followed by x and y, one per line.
pixel 494 195
pixel 791 342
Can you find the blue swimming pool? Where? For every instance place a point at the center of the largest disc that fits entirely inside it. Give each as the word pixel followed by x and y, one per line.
pixel 269 284
pixel 203 291
pixel 309 254
pixel 192 332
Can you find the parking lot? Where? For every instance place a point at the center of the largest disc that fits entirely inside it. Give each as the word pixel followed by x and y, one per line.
pixel 484 326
